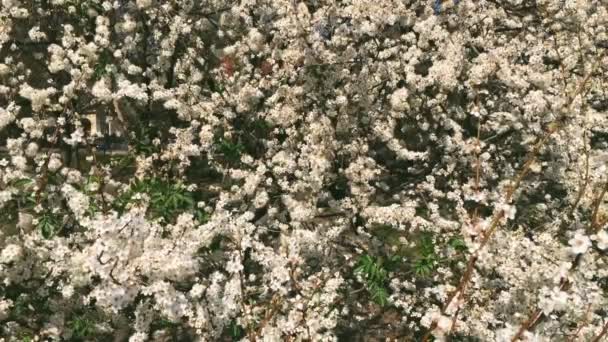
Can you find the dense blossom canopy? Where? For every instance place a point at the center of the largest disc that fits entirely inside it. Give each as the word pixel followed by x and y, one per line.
pixel 294 170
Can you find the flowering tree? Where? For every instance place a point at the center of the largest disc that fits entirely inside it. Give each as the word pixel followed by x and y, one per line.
pixel 314 170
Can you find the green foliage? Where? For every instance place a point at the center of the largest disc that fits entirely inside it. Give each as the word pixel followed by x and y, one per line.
pixel 122 164
pixel 167 199
pixel 372 269
pixel 389 235
pixel 104 60
pixel 426 244
pixel 25 197
pixel 230 150
pixel 214 86
pixel 457 242
pixel 424 266
pixel 375 273
pixel 82 327
pixel 21 307
pixel 261 125
pixel 423 256
pixel 26 304
pixel 426 260
pixel 201 216
pixel 82 6
pixel 21 183
pixel 48 224
pixel 124 199
pixel 141 139
pixel 163 324
pixel 236 331
pixel 340 188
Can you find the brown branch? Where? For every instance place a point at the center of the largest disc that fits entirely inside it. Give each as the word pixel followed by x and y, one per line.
pixel 586 181
pixel 552 128
pixel 580 326
pixel 274 307
pixel 602 333
pixel 527 324
pixel 596 208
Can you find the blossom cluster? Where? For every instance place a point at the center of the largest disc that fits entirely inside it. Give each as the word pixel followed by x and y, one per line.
pixel 303 170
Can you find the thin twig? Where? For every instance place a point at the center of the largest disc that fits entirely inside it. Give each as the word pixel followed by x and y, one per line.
pixel 515 183
pixel 602 333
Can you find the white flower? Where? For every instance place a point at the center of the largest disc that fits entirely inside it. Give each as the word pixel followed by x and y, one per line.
pixel 11 253
pixel 560 299
pixel 579 243
pixel 5 196
pixel 602 239
pixel 38 97
pixel 20 162
pixel 510 211
pixel 5 306
pixel 399 100
pixel 256 40
pixel 197 291
pixel 476 227
pixel 31 150
pixel 76 137
pixel 260 200
pixel 134 70
pixel 298 211
pixel 444 324
pixel 77 201
pixel 132 90
pixel 143 3
pixel 4 69
pixel 140 336
pixel 67 291
pixel 234 265
pixel 54 163
pixel 505 334
pixel 6 117
pixel 129 25
pixel 101 90
pixel 32 127
pixel 35 34
pixel 552 300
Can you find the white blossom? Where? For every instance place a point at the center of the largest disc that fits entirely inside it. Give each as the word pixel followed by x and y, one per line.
pixel 399 99
pixel 101 90
pixel 602 239
pixel 580 243
pixel 281 170
pixel 11 253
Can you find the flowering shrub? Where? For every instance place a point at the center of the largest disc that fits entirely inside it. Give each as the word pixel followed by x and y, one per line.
pixel 304 170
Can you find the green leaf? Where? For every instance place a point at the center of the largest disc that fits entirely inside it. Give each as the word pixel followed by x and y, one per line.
pixel 426 244
pixel 48 225
pixel 82 327
pixel 424 266
pixel 236 331
pixel 380 296
pixel 20 183
pixel 458 243
pixel 201 216
pixel 376 276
